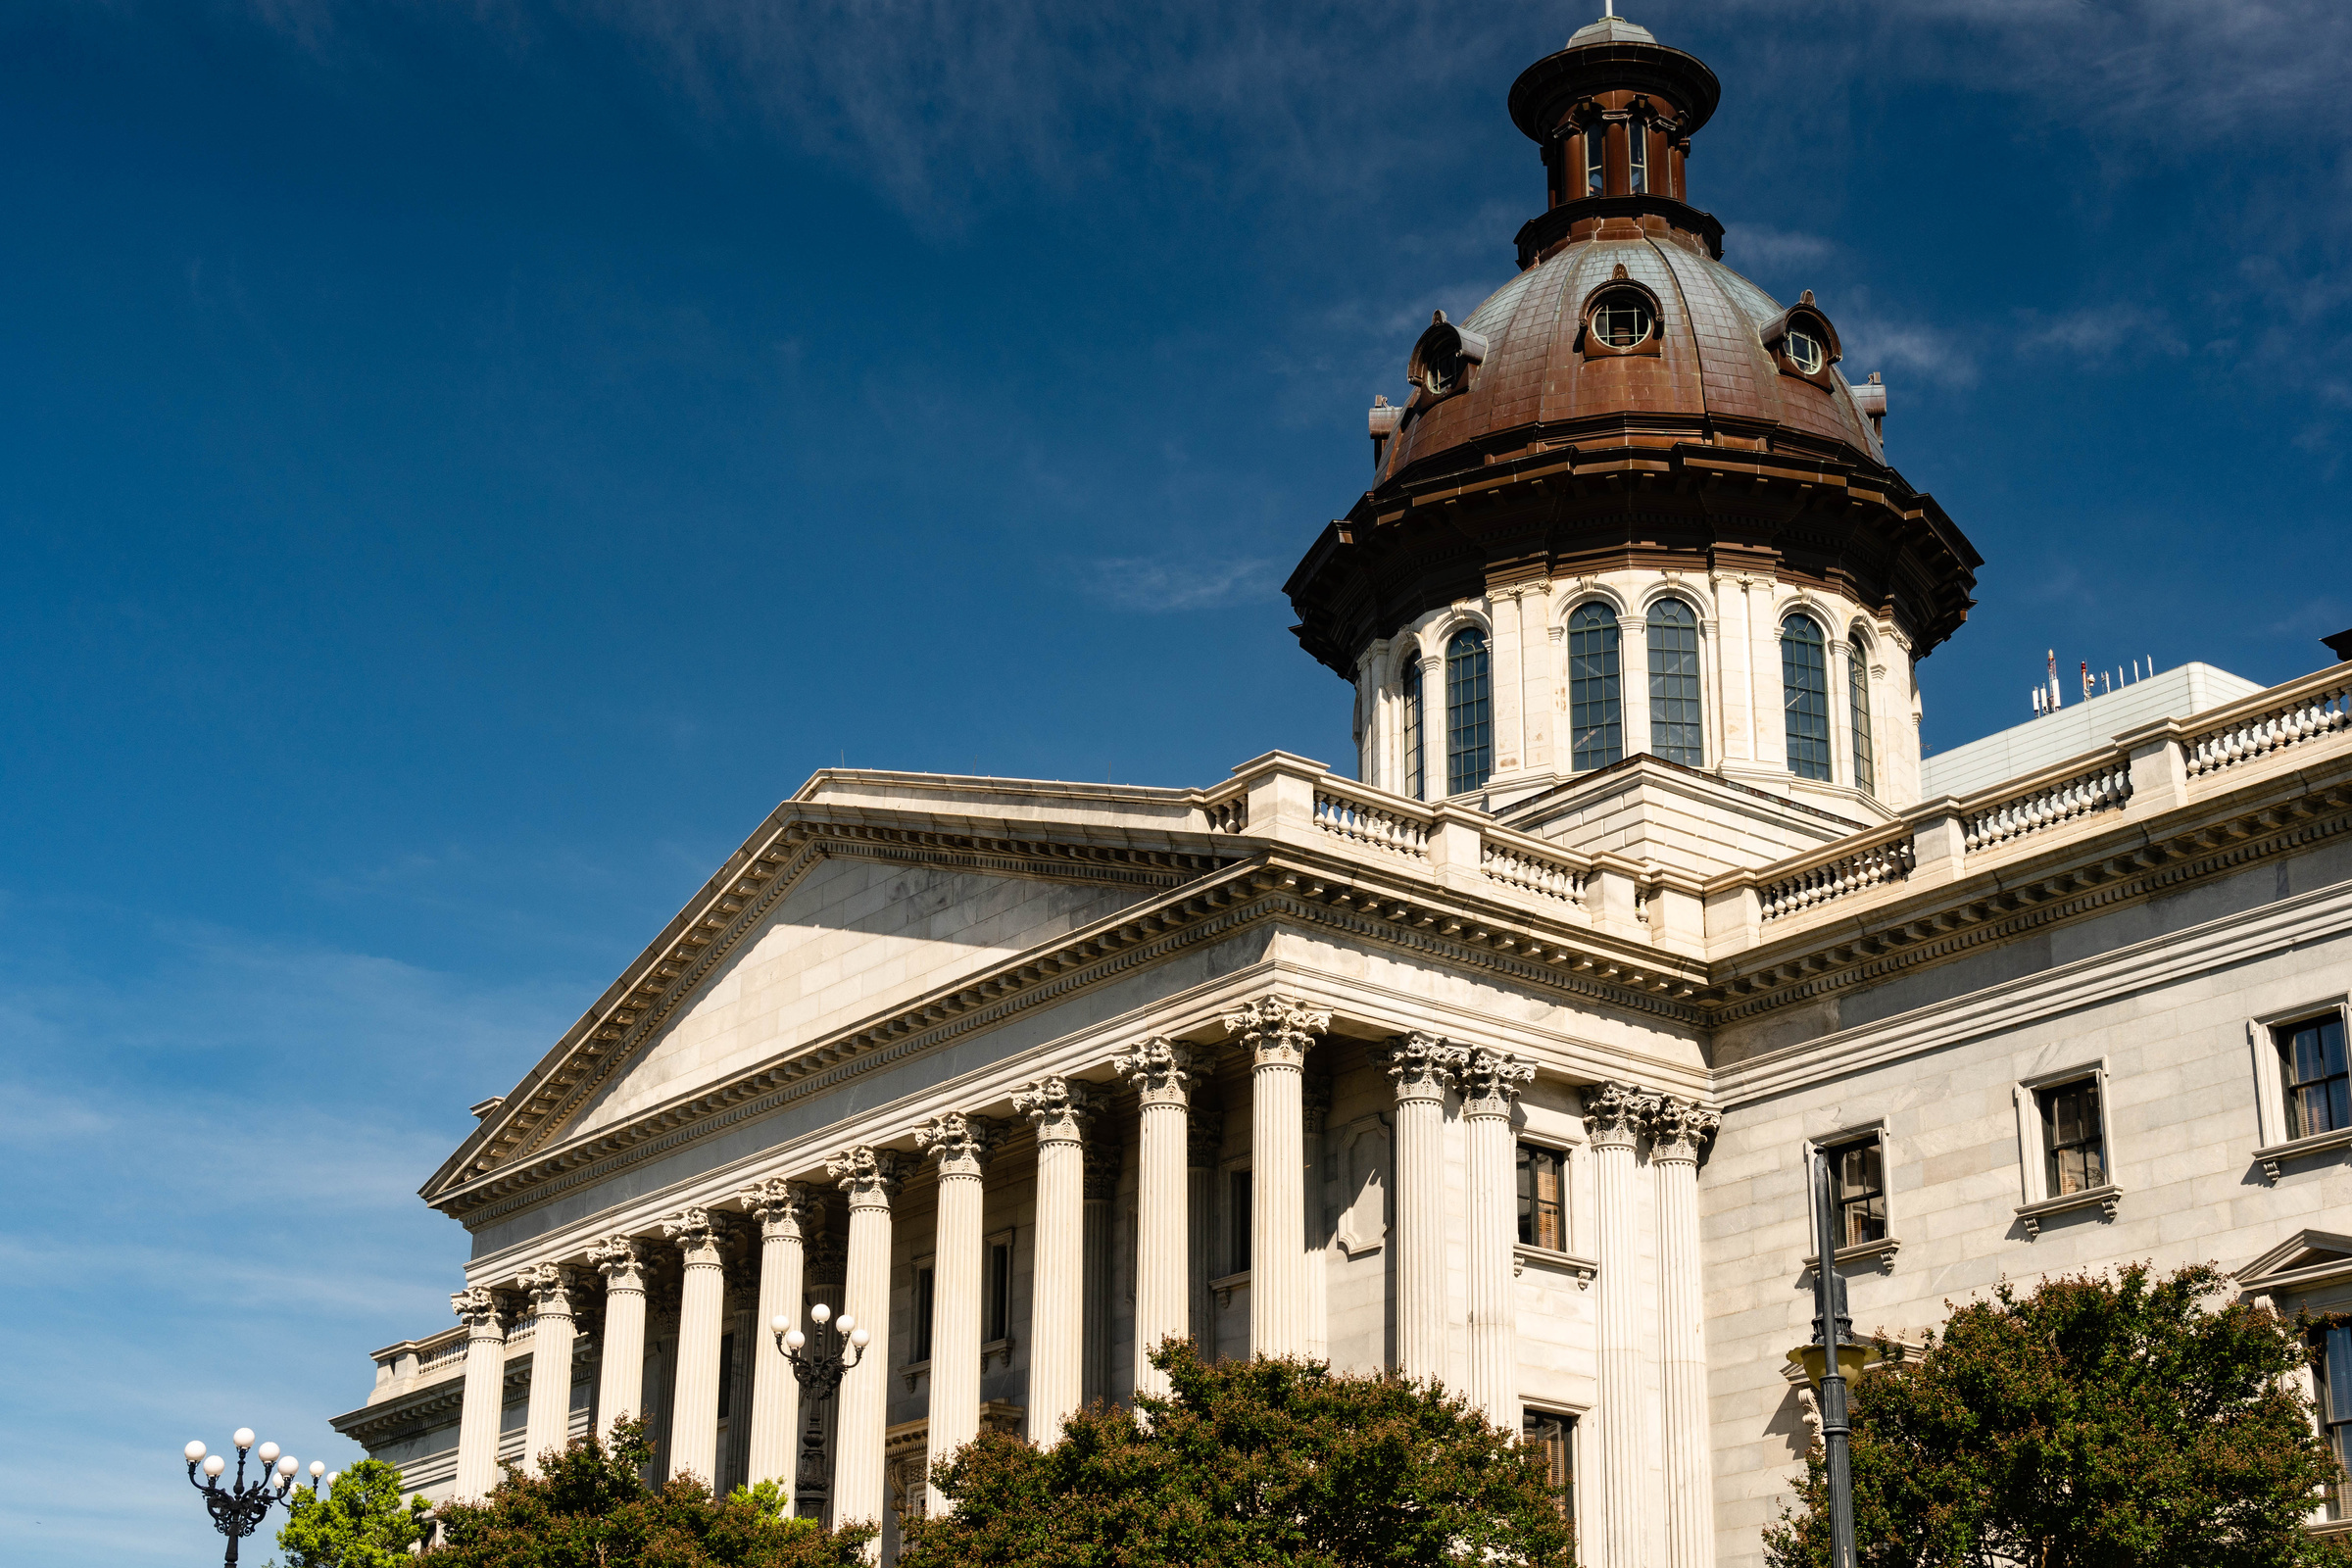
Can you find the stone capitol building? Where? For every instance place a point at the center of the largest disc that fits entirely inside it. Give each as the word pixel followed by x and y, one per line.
pixel 1499 1063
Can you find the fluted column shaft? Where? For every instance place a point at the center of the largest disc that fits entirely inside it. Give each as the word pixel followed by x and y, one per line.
pixel 1614 1113
pixel 484 1398
pixel 962 1144
pixel 1161 1073
pixel 1059 1108
pixel 1490 1081
pixel 620 1360
pixel 1314 1109
pixel 1678 1129
pixel 548 1425
pixel 1421 1066
pixel 702 1236
pixel 1102 1190
pixel 1278 1034
pixel 871 1179
pixel 1205 1140
pixel 788 1213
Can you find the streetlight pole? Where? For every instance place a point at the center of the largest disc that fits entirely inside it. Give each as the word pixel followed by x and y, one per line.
pixel 1832 1329
pixel 239 1507
pixel 820 1357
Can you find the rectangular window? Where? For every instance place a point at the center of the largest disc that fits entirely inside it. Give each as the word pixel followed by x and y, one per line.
pixel 2312 1069
pixel 1554 1436
pixel 999 1324
pixel 1858 1190
pixel 2333 1375
pixel 1597 142
pixel 1637 150
pixel 1412 730
pixel 726 1374
pixel 1237 1222
pixel 2071 1132
pixel 922 1350
pixel 1542 1198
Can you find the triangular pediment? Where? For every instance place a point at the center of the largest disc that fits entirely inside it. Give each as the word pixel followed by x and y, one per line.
pixel 2300 1253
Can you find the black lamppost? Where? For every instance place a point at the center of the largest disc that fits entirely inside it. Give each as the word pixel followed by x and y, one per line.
pixel 239 1507
pixel 819 1358
pixel 1832 1331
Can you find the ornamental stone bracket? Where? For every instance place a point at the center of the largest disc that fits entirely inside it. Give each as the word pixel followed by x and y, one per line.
pixel 2031 1216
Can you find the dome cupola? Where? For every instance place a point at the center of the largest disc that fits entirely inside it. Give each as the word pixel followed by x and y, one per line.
pixel 1630 433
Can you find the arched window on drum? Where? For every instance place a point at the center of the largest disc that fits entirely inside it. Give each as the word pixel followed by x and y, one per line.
pixel 1805 692
pixel 1676 723
pixel 1595 704
pixel 1469 713
pixel 1866 762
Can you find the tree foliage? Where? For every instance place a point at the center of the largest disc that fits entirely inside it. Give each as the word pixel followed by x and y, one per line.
pixel 1266 1462
pixel 589 1507
pixel 2098 1422
pixel 362 1521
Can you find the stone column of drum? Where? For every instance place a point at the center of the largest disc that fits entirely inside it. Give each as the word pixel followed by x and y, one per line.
pixel 548 1287
pixel 1160 1071
pixel 621 1359
pixel 1278 1034
pixel 1204 1143
pixel 701 1236
pixel 871 1178
pixel 788 1213
pixel 1421 1066
pixel 1677 1130
pixel 1614 1112
pixel 1059 1108
pixel 962 1144
pixel 485 1318
pixel 1490 1081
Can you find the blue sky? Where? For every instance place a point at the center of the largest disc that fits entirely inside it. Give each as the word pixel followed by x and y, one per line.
pixel 463 464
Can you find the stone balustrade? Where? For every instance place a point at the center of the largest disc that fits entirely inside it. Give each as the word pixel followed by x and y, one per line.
pixel 2103 786
pixel 1361 817
pixel 2317 706
pixel 1822 878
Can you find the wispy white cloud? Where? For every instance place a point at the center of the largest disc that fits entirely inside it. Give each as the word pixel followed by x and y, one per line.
pixel 2100 332
pixel 1168 584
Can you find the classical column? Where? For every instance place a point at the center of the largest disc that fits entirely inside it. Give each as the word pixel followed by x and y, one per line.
pixel 788 1213
pixel 871 1178
pixel 1314 1109
pixel 1204 1140
pixel 1678 1129
pixel 1277 1033
pixel 702 1236
pixel 1059 1108
pixel 485 1396
pixel 1160 1070
pixel 547 1286
pixel 1614 1113
pixel 620 1358
pixel 962 1144
pixel 1490 1081
pixel 1102 1191
pixel 1421 1066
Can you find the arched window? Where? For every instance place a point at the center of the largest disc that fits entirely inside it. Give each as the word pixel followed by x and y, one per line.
pixel 1866 771
pixel 1412 726
pixel 1596 714
pixel 1805 692
pixel 1674 715
pixel 1469 713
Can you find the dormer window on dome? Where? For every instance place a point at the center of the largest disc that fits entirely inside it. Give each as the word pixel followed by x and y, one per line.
pixel 1445 359
pixel 1621 316
pixel 1804 342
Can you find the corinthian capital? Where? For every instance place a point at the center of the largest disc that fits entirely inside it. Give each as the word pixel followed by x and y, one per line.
pixel 1490 1081
pixel 1277 1031
pixel 701 1233
pixel 547 1286
pixel 618 1260
pixel 869 1175
pixel 1680 1128
pixel 1615 1112
pixel 1159 1069
pixel 1421 1065
pixel 961 1143
pixel 783 1209
pixel 1059 1108
pixel 482 1309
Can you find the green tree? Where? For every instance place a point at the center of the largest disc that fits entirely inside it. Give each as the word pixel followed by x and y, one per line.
pixel 1265 1461
pixel 2096 1421
pixel 360 1523
pixel 590 1507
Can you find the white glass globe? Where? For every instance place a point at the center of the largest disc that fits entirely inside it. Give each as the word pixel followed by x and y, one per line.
pixel 820 1312
pixel 794 1339
pixel 318 1468
pixel 268 1453
pixel 194 1451
pixel 288 1465
pixel 215 1465
pixel 334 1476
pixel 779 1322
pixel 859 1339
pixel 846 1324
pixel 244 1438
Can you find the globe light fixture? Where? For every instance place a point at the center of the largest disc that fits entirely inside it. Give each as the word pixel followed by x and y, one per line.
pixel 239 1507
pixel 820 1357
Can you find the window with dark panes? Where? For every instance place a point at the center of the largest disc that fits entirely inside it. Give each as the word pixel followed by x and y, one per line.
pixel 921 1350
pixel 2071 1133
pixel 999 1292
pixel 726 1375
pixel 1866 766
pixel 1555 1437
pixel 1542 1198
pixel 1595 712
pixel 1858 1190
pixel 1469 713
pixel 1237 1222
pixel 2311 1063
pixel 1674 710
pixel 1805 692
pixel 1597 144
pixel 1413 728
pixel 2333 1375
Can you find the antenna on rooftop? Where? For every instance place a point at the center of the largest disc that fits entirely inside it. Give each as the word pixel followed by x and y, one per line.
pixel 2055 700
